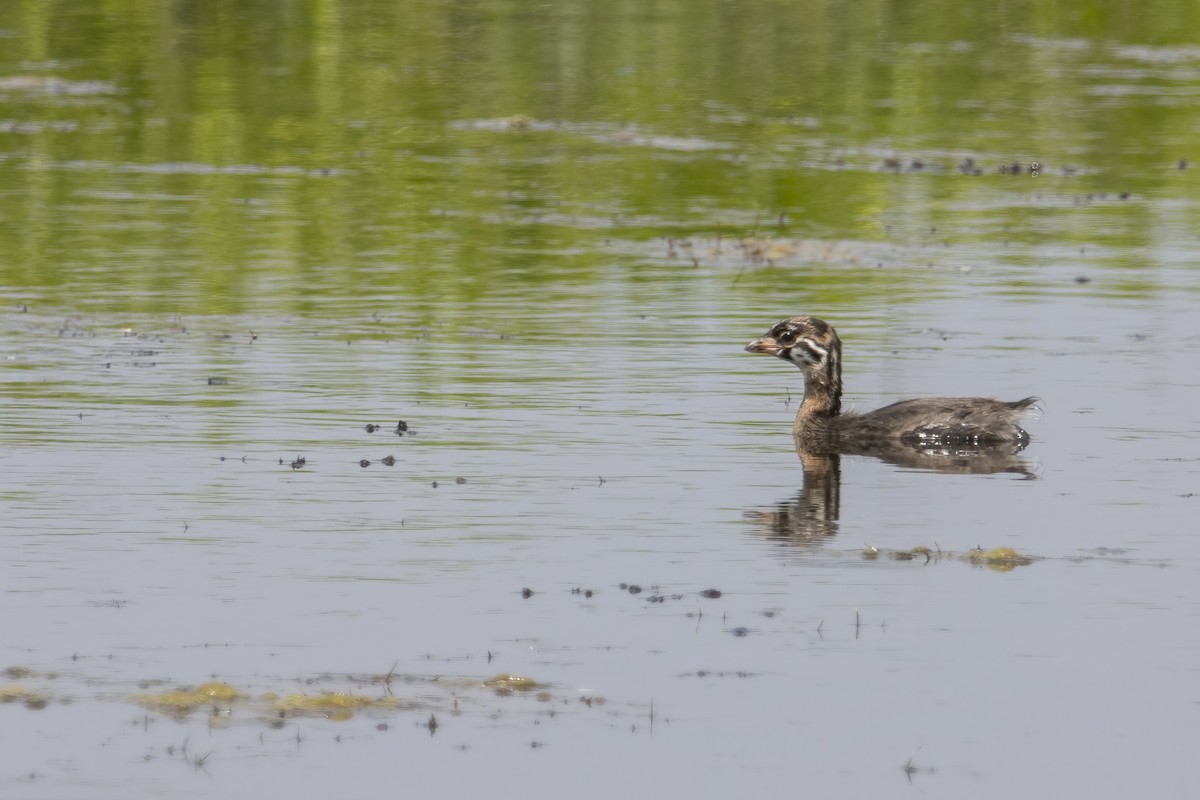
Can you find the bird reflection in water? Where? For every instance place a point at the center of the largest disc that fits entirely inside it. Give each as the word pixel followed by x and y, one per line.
pixel 811 515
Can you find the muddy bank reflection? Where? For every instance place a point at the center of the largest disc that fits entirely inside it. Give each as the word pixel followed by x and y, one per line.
pixel 811 515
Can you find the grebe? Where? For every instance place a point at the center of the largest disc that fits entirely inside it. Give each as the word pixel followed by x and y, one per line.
pixel 813 345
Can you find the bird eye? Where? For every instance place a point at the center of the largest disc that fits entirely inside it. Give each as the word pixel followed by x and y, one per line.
pixel 786 337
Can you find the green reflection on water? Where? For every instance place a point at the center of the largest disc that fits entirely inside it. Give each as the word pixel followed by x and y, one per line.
pixel 231 158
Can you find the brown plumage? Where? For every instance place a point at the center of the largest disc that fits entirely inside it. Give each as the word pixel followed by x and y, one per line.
pixel 955 422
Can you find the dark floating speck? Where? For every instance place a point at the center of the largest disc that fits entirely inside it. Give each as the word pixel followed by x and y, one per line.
pixel 527 593
pixel 388 461
pixel 1124 195
pixel 1082 279
pixel 711 594
pixel 633 588
pixel 435 484
pixel 740 631
pixel 218 381
pixel 372 428
pixel 460 481
pixel 299 462
pixel 364 463
pixel 401 426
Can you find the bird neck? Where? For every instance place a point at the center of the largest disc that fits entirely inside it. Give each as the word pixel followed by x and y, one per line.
pixel 823 386
pixel 817 416
pixel 821 401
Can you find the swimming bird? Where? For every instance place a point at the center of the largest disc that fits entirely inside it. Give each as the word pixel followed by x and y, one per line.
pixel 929 422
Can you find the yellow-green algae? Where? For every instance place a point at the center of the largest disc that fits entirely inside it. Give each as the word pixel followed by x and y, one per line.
pixel 505 683
pixel 336 705
pixel 1002 559
pixel 14 693
pixel 331 705
pixel 186 700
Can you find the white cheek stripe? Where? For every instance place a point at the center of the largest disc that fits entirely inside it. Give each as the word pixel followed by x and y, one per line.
pixel 806 351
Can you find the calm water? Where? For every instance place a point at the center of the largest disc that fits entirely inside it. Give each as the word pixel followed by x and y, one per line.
pixel 541 238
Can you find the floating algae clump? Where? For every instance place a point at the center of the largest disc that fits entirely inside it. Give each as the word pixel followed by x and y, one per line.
pixel 1001 559
pixel 334 705
pixel 13 693
pixel 216 690
pixel 507 684
pixel 187 700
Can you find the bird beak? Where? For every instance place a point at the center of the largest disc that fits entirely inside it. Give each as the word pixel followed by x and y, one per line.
pixel 765 345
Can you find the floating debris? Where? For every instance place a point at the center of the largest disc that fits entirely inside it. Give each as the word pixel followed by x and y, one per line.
pixel 1002 559
pixel 31 699
pixel 332 705
pixel 967 167
pixel 184 701
pixel 773 251
pixel 507 684
pixel 13 693
pixel 711 594
pixel 388 461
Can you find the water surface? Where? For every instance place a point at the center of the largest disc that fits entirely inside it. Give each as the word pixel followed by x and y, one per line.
pixel 541 238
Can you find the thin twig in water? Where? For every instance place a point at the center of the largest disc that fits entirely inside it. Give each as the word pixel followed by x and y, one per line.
pixel 909 767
